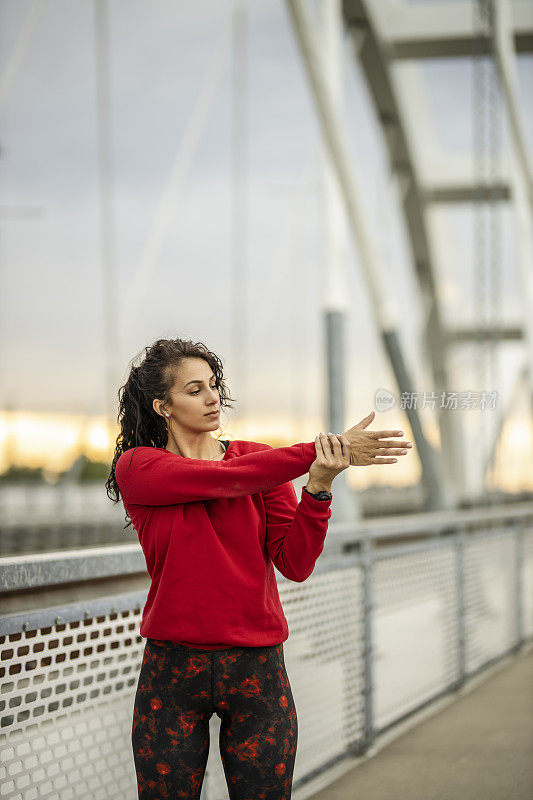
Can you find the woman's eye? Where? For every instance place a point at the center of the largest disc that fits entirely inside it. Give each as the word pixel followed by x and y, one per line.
pixel 198 391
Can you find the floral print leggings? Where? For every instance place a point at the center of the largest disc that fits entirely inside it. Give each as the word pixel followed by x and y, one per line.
pixel 178 691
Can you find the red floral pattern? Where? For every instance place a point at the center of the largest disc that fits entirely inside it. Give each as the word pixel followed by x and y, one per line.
pixel 180 688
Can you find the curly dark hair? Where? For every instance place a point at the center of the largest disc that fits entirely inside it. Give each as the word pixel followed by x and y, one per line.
pixel 140 424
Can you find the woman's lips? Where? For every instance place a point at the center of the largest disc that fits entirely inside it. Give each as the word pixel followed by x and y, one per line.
pixel 212 414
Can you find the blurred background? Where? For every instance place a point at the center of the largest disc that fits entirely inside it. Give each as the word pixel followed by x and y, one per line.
pixel 166 173
pixel 336 198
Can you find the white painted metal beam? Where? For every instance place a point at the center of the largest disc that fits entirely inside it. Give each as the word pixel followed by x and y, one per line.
pixel 521 169
pixel 439 29
pixel 464 191
pixel 393 100
pixel 439 491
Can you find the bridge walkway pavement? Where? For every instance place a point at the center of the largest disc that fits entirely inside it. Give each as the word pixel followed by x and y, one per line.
pixel 477 744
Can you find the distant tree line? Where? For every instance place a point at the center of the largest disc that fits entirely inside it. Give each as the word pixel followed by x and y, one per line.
pixel 82 470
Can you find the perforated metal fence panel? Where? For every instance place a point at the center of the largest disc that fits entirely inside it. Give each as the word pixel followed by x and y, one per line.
pixel 66 709
pixel 414 629
pixel 324 662
pixel 526 589
pixel 491 596
pixel 373 637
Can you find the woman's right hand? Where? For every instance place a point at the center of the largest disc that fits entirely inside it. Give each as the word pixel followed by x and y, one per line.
pixel 366 447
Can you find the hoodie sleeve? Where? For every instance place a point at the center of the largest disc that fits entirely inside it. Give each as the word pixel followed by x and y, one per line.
pixel 295 532
pixel 150 476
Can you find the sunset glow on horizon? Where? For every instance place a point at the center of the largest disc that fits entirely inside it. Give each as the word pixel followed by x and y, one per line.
pixel 54 441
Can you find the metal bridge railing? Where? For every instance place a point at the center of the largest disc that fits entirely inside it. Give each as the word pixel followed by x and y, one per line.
pixel 397 613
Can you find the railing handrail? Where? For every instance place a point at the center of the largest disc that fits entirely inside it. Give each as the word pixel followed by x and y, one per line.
pixel 385 527
pixel 32 570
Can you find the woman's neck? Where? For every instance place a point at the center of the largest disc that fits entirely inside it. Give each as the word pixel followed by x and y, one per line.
pixel 212 454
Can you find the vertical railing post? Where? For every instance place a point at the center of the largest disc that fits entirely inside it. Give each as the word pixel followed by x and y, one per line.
pixel 353 657
pixel 460 539
pixel 519 585
pixel 367 558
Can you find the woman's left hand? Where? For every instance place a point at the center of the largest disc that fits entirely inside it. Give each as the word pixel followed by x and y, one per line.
pixel 332 457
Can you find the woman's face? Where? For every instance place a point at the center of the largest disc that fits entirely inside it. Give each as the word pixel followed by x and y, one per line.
pixel 194 394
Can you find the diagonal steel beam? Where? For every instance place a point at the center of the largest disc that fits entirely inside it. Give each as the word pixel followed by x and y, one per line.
pixel 438 487
pixel 375 60
pixel 439 29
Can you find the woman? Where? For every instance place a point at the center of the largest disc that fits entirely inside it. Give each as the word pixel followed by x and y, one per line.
pixel 213 518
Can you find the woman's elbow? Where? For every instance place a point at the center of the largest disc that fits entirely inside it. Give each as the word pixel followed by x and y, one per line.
pixel 294 575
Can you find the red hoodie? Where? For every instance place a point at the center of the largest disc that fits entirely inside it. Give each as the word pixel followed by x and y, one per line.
pixel 210 531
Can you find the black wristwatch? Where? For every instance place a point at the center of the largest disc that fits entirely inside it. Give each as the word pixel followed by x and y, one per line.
pixel 322 495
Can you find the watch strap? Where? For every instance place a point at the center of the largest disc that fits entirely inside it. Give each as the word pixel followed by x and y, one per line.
pixel 322 495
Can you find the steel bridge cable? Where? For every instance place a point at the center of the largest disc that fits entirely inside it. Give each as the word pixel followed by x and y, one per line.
pixel 487 215
pixel 20 49
pixel 165 212
pixel 106 208
pixel 495 265
pixel 520 167
pixel 238 219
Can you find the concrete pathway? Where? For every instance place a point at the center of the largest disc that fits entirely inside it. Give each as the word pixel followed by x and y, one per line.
pixel 480 746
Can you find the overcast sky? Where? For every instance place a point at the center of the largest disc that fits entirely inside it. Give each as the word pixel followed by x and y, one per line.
pixel 51 352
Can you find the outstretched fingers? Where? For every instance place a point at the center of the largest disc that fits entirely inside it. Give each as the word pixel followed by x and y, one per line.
pixel 388 448
pixel 382 451
pixel 381 434
pixel 389 443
